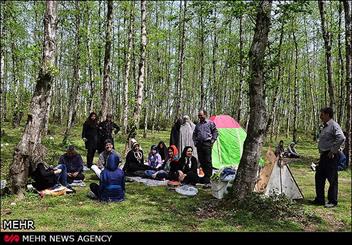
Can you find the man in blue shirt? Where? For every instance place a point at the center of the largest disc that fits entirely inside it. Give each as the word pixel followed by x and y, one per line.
pixel 330 140
pixel 204 136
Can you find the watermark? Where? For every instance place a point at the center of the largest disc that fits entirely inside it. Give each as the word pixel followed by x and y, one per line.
pixel 17 224
pixel 55 238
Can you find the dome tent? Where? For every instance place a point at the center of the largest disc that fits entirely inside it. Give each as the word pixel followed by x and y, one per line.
pixel 228 148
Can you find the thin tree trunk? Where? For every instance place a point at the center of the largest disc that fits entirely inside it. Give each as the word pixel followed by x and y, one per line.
pixel 341 72
pixel 141 74
pixel 215 82
pixel 201 62
pixel 277 85
pixel 296 91
pixel 2 60
pixel 29 149
pixel 90 63
pixel 348 44
pixel 181 60
pixel 240 91
pixel 327 44
pixel 127 72
pixel 248 167
pixel 74 93
pixel 106 91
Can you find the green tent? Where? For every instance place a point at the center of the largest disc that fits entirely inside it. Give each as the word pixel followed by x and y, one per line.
pixel 227 149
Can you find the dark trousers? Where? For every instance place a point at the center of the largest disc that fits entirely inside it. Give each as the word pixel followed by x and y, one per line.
pixel 95 189
pixel 204 157
pixel 327 169
pixel 80 176
pixel 191 178
pixel 90 155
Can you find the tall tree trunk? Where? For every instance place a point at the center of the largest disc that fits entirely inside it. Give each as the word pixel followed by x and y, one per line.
pixel 213 66
pixel 90 62
pixel 141 73
pixel 277 85
pixel 296 91
pixel 74 93
pixel 16 116
pixel 201 62
pixel 106 91
pixel 240 91
pixel 327 44
pixel 29 149
pixel 348 44
pixel 341 72
pixel 127 72
pixel 248 167
pixel 181 60
pixel 2 60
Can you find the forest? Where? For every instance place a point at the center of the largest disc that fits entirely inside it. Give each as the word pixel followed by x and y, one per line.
pixel 149 63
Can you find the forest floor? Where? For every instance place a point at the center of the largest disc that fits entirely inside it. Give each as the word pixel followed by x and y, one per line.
pixel 159 209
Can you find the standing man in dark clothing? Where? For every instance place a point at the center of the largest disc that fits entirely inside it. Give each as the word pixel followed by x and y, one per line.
pixel 330 140
pixel 90 136
pixel 106 127
pixel 204 136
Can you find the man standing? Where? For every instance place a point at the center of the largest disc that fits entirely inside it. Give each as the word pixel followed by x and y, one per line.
pixel 204 136
pixel 330 140
pixel 106 128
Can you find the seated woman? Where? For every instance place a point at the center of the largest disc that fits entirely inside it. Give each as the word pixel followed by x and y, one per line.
pixel 279 150
pixel 162 150
pixel 46 177
pixel 134 165
pixel 74 164
pixel 186 169
pixel 164 170
pixel 111 187
pixel 154 158
pixel 291 151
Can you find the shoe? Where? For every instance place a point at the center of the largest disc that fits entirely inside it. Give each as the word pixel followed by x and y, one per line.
pixel 330 205
pixel 317 203
pixel 91 195
pixel 69 189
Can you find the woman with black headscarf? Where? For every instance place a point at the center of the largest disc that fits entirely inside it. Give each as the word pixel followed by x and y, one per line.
pixel 188 166
pixel 162 150
pixel 90 136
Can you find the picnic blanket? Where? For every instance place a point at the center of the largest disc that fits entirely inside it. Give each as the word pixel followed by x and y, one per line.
pixel 56 191
pixel 147 182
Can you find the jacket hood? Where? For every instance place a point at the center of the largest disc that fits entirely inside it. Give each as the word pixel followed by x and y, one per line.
pixel 112 162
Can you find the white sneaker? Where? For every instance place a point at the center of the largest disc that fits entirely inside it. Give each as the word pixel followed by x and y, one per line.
pixel 91 195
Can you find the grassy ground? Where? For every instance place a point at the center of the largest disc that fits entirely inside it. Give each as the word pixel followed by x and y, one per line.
pixel 159 209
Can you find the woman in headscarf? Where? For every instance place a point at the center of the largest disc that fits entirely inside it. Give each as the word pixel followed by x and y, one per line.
pixel 162 150
pixel 134 165
pixel 188 166
pixel 90 136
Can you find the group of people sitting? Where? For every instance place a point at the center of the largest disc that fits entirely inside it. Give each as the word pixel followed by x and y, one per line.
pixel 290 152
pixel 163 164
pixel 69 169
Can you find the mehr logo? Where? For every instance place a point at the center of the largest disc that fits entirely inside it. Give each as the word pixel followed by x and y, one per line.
pixel 12 238
pixel 17 224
